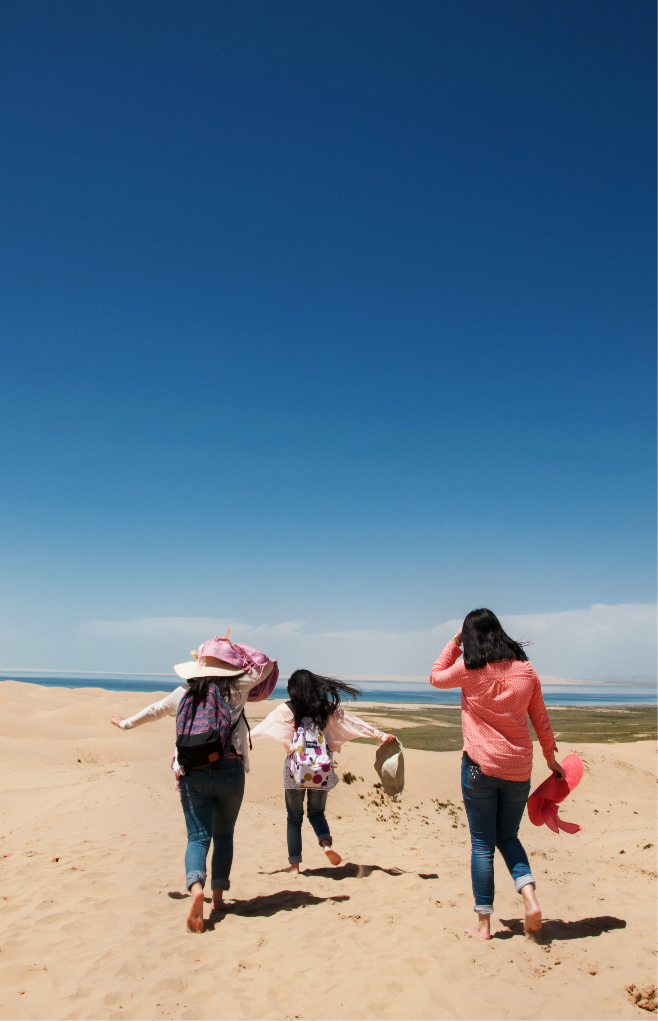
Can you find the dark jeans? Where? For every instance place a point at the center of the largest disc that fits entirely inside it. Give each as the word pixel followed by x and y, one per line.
pixel 211 799
pixel 315 808
pixel 494 808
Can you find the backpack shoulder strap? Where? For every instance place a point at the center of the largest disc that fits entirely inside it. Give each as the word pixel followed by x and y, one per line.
pixel 234 725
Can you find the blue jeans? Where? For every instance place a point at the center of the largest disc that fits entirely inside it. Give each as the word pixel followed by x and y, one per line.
pixel 211 799
pixel 494 808
pixel 315 807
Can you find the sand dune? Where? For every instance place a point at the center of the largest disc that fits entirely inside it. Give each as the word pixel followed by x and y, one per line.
pixel 93 900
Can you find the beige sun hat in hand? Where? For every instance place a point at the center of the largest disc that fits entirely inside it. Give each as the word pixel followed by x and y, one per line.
pixel 389 763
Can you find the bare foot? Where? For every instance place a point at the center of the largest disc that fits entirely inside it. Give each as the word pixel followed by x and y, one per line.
pixel 532 923
pixel 218 902
pixel 483 930
pixel 293 869
pixel 332 855
pixel 195 914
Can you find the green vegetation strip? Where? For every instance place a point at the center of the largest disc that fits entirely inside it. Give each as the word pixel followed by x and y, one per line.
pixel 582 724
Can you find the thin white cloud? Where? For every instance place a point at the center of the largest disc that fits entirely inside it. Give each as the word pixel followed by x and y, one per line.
pixel 597 642
pixel 148 627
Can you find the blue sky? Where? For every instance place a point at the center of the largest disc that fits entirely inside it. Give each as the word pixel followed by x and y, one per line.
pixel 330 313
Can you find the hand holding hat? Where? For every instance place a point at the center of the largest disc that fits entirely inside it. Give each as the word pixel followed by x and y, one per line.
pixel 543 802
pixel 389 763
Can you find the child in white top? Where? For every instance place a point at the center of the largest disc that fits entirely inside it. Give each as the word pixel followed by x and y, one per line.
pixel 315 700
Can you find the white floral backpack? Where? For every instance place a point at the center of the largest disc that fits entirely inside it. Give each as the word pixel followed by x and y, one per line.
pixel 311 760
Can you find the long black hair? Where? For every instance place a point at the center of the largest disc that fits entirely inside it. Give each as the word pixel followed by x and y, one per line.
pixel 227 688
pixel 486 642
pixel 317 696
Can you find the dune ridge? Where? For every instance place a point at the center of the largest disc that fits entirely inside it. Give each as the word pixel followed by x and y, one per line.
pixel 93 899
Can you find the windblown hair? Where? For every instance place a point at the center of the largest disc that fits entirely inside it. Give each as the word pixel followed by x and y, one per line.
pixel 227 689
pixel 486 642
pixel 316 696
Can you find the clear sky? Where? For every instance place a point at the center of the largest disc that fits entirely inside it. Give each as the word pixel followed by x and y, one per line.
pixel 333 313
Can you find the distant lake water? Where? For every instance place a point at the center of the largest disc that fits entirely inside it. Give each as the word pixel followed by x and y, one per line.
pixel 373 691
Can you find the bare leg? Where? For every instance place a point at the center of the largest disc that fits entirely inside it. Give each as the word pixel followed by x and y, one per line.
pixel 483 928
pixel 332 855
pixel 532 910
pixel 218 902
pixel 195 915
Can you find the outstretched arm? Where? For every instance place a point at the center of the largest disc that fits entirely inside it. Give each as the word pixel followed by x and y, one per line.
pixel 342 727
pixel 165 707
pixel 278 725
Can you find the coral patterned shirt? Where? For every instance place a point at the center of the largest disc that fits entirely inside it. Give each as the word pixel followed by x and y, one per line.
pixel 496 701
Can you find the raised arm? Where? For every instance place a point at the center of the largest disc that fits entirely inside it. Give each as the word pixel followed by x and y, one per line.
pixel 447 672
pixel 165 707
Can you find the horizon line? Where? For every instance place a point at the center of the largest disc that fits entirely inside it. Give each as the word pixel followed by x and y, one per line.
pixel 86 673
pixel 637 680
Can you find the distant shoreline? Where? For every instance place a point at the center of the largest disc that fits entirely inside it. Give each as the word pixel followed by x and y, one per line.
pixel 38 675
pixel 423 696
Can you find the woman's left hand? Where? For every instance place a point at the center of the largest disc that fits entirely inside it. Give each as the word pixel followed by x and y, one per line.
pixel 389 739
pixel 117 721
pixel 556 767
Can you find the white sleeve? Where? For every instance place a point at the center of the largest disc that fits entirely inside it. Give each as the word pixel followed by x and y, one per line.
pixel 278 725
pixel 342 727
pixel 166 707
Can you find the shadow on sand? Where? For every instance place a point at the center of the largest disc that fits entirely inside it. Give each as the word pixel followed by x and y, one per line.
pixel 261 907
pixel 177 895
pixel 346 871
pixel 556 928
pixel 270 904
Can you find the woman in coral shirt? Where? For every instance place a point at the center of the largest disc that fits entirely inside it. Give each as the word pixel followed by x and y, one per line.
pixel 500 689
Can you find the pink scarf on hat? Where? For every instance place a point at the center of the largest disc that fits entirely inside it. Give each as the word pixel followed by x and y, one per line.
pixel 252 661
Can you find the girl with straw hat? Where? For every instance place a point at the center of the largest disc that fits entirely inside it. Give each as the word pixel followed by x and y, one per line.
pixel 211 794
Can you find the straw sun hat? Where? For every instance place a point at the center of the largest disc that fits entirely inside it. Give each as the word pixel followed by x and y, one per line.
pixel 389 763
pixel 207 666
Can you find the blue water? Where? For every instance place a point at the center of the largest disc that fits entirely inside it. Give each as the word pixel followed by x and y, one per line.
pixel 384 691
pixel 373 691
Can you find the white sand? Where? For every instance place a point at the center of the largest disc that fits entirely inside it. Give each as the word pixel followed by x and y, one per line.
pixel 93 899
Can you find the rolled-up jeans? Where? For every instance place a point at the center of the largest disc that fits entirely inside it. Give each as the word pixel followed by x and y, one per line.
pixel 494 808
pixel 211 799
pixel 317 801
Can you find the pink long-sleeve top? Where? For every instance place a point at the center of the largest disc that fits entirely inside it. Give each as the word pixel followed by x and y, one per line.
pixel 496 701
pixel 341 727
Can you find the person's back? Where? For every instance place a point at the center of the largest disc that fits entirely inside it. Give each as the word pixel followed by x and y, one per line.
pixel 500 689
pixel 312 717
pixel 213 742
pixel 497 698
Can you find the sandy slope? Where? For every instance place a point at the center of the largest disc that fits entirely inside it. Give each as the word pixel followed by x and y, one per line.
pixel 93 902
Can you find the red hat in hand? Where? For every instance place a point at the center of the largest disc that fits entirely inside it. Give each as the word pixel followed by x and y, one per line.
pixel 543 802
